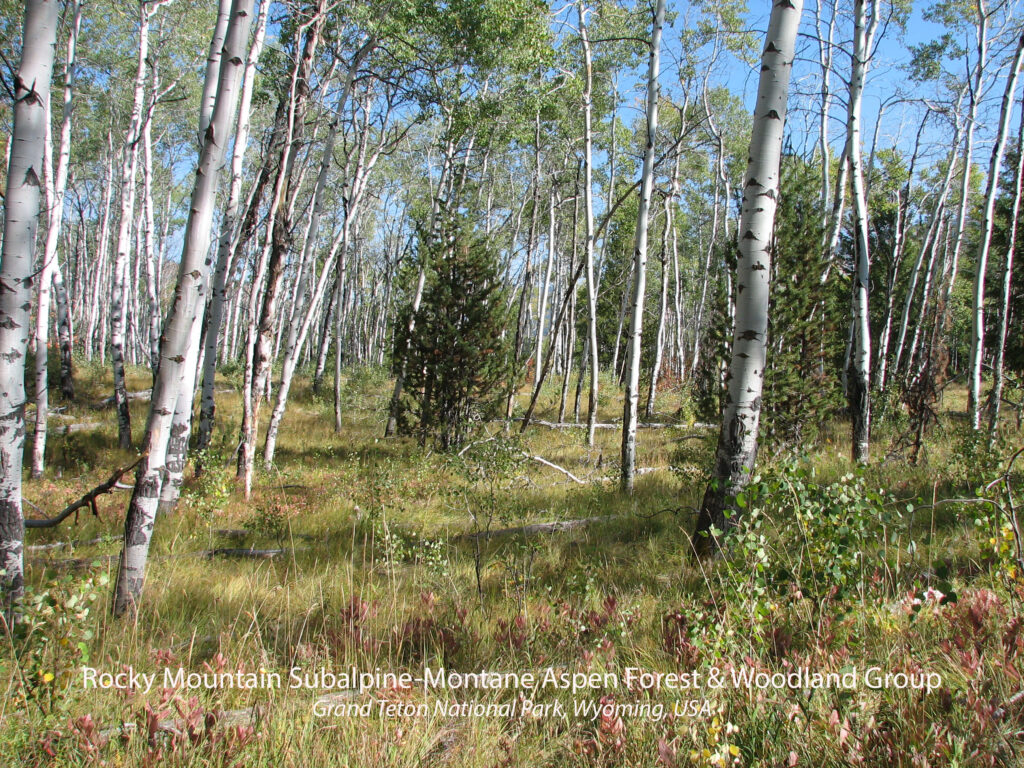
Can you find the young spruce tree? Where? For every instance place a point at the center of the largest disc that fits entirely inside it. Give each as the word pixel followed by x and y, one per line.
pixel 459 357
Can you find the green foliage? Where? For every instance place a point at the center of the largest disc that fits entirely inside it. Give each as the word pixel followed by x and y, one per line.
pixel 53 637
pixel 821 540
pixel 210 491
pixel 459 356
pixel 805 318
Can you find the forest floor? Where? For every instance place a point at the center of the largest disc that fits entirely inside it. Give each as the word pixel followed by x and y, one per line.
pixel 375 567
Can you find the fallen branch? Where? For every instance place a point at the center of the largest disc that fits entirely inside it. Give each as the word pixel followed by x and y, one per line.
pixel 61 544
pixel 547 463
pixel 88 500
pixel 558 525
pixel 108 402
pixel 83 426
pixel 641 425
pixel 264 554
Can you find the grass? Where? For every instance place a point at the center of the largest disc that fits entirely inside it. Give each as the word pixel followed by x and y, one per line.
pixel 377 573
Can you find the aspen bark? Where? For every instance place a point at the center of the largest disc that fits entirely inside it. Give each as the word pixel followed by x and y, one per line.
pixel 998 374
pixel 56 183
pixel 25 174
pixel 226 243
pixel 736 453
pixel 987 222
pixel 593 363
pixel 188 301
pixel 860 352
pixel 632 398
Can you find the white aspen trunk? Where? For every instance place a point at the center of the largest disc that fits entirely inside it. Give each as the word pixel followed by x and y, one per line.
pixel 279 241
pixel 299 328
pixel 659 344
pixel 903 197
pixel 930 272
pixel 25 174
pixel 632 397
pixel 998 374
pixel 981 265
pixel 542 315
pixel 860 360
pixel 588 218
pixel 149 234
pixel 226 242
pixel 974 97
pixel 570 341
pixel 175 356
pixel 65 335
pixel 95 324
pixel 929 240
pixel 209 95
pixel 121 290
pixel 825 63
pixel 56 183
pixel 736 453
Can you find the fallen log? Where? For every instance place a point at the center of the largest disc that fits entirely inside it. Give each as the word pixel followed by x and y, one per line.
pixel 613 425
pixel 87 500
pixel 547 463
pixel 265 554
pixel 108 402
pixel 553 527
pixel 61 544
pixel 67 429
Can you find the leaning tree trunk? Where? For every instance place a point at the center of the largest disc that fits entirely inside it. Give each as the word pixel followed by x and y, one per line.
pixel 188 301
pixel 737 441
pixel 21 220
pixel 632 399
pixel 987 222
pixel 226 243
pixel 56 182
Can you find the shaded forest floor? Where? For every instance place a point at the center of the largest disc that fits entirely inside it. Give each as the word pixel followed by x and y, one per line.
pixel 377 568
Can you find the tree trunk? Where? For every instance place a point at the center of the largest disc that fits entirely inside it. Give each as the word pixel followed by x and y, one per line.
pixel 593 363
pixel 632 399
pixel 56 182
pixel 21 220
pixel 998 374
pixel 981 265
pixel 121 288
pixel 175 355
pixel 226 243
pixel 737 441
pixel 860 359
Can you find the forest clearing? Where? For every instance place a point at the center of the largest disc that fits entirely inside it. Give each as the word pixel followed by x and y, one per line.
pixel 505 383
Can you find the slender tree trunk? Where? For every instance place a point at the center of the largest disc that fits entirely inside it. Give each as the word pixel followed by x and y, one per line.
pixel 121 293
pixel 659 344
pixel 998 374
pixel 226 243
pixel 929 242
pixel 860 360
pixel 737 441
pixel 632 399
pixel 974 97
pixel 175 355
pixel 987 222
pixel 56 182
pixel 25 173
pixel 593 363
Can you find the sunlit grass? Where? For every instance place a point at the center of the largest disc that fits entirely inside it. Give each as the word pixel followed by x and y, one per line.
pixel 376 572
